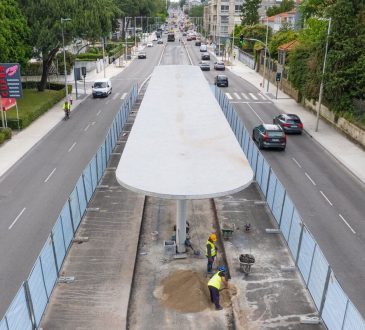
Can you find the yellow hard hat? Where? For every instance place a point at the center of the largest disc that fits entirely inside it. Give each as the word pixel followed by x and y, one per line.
pixel 213 237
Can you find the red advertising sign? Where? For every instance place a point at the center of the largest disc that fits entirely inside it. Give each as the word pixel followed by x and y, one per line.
pixel 10 81
pixel 6 104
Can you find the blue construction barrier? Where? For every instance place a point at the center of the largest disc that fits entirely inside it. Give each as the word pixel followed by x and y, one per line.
pixel 28 306
pixel 335 309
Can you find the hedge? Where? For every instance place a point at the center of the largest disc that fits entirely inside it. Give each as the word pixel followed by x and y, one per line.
pixel 89 57
pixel 5 134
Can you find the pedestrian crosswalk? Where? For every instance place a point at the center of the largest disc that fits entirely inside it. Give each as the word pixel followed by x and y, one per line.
pixel 247 97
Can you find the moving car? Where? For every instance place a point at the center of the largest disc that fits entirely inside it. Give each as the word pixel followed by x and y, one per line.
pixel 203 48
pixel 290 123
pixel 160 42
pixel 142 54
pixel 198 43
pixel 102 87
pixel 219 66
pixel 269 136
pixel 205 56
pixel 188 38
pixel 221 80
pixel 204 66
pixel 150 44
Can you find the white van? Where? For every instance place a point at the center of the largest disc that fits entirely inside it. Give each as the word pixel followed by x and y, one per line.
pixel 203 48
pixel 102 87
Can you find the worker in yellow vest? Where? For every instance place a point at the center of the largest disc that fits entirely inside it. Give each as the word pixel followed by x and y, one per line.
pixel 211 251
pixel 215 285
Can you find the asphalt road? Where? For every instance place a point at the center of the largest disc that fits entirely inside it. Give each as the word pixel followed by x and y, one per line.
pixel 34 191
pixel 329 199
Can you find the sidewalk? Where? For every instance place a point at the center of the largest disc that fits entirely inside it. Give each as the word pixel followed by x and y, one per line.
pixel 345 151
pixel 14 149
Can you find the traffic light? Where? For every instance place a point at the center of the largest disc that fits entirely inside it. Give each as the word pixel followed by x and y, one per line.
pixel 241 39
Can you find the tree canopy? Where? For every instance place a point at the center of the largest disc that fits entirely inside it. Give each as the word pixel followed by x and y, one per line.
pixel 249 12
pixel 285 5
pixel 14 33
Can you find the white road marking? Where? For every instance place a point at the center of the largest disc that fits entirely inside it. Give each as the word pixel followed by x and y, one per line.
pixel 86 128
pixel 310 179
pixel 98 113
pixel 237 96
pixel 263 97
pixel 93 123
pixel 115 96
pixel 123 96
pixel 49 176
pixel 347 224
pixel 253 96
pixel 73 145
pixel 255 112
pixel 245 96
pixel 296 162
pixel 229 96
pixel 17 218
pixel 256 102
pixel 326 198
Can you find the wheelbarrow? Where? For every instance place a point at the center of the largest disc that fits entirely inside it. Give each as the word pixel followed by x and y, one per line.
pixel 227 231
pixel 246 261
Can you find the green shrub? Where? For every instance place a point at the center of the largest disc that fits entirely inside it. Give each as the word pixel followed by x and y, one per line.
pixel 92 50
pixel 6 132
pixel 89 57
pixel 2 137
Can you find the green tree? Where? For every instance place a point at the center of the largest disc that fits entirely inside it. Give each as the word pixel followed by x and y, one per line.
pixel 90 19
pixel 257 31
pixel 249 12
pixel 310 8
pixel 14 33
pixel 286 5
pixel 280 38
pixel 196 11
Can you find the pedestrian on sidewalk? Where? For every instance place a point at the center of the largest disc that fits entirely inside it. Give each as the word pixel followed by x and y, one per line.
pixel 211 251
pixel 71 100
pixel 215 285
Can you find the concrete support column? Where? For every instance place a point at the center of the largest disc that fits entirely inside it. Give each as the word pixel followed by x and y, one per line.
pixel 181 215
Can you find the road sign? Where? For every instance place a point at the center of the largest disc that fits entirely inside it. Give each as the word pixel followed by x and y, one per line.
pixel 278 76
pixel 10 82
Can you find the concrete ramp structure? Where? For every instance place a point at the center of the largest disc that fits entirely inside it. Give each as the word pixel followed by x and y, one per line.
pixel 181 146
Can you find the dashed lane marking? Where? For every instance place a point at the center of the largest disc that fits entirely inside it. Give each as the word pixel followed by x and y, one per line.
pixel 253 96
pixel 237 96
pixel 326 198
pixel 347 224
pixel 50 175
pixel 123 96
pixel 310 179
pixel 229 96
pixel 17 218
pixel 296 162
pixel 73 145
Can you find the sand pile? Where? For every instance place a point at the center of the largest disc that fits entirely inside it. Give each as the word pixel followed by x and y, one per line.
pixel 187 291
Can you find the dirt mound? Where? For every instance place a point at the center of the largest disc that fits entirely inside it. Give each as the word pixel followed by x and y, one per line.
pixel 187 291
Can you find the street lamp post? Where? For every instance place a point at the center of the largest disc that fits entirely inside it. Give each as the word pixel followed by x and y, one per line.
pixel 323 72
pixel 263 76
pixel 64 54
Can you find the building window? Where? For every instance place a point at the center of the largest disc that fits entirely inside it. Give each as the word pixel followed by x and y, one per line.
pixel 237 8
pixel 224 8
pixel 224 19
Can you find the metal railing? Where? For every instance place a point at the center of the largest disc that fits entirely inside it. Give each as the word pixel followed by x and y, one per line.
pixel 27 308
pixel 334 307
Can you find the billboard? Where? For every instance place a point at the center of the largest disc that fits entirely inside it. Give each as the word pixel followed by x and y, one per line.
pixel 10 81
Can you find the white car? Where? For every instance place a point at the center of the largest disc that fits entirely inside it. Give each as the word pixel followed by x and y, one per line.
pixel 150 44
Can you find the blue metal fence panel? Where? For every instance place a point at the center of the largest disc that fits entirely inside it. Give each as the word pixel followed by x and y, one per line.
pixel 48 266
pixel 17 314
pixel 94 173
pixel 59 243
pixel 271 189
pixel 286 217
pixel 294 234
pixel 247 143
pixel 37 291
pixel 353 319
pixel 255 152
pixel 258 174
pixel 239 131
pixel 68 233
pixel 81 194
pixel 318 275
pixel 75 209
pixel 250 150
pixel 265 176
pixel 107 146
pixel 278 201
pixel 88 182
pixel 3 325
pixel 334 305
pixel 104 160
pixel 99 162
pixel 306 254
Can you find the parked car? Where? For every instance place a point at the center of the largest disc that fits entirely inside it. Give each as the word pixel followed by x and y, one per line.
pixel 269 136
pixel 219 66
pixel 221 80
pixel 150 44
pixel 205 56
pixel 204 65
pixel 142 54
pixel 290 123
